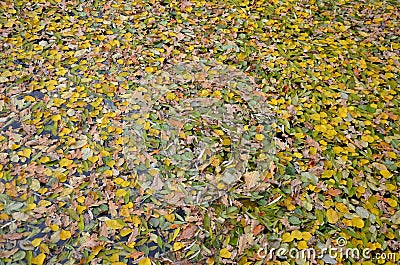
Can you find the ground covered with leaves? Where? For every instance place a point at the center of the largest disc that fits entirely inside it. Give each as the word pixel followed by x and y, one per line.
pixel 80 185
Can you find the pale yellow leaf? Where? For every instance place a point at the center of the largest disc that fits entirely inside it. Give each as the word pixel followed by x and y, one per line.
pixel 332 216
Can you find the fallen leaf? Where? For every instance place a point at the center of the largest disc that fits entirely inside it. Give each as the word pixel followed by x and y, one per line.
pixel 224 253
pixel 115 224
pixel 332 216
pixel 144 261
pixel 251 179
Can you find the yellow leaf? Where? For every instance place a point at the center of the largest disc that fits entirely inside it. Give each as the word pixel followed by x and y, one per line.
pixel 389 75
pixel 217 93
pixel 145 261
pixel 321 128
pixel 297 234
pixel 385 173
pixel 298 155
pixel 306 235
pixel 125 231
pixel 219 132
pixel 31 206
pixel 80 209
pixel 56 117
pixel 153 172
pixel 114 257
pixel 176 233
pixel 169 217
pixel 241 56
pixel 330 133
pixel 287 237
pixel 64 234
pixel 332 216
pixel 118 181
pixel 44 248
pixel 96 250
pixel 210 261
pixel 337 149
pixel 150 69
pixel 226 141
pixel 62 177
pixel 65 162
pixel 177 246
pixel 65 131
pixel 125 212
pixel 342 112
pixel 43 190
pixel 391 202
pixel 390 187
pixel 341 207
pixel 315 116
pixel 71 141
pixel 26 153
pixel 66 191
pixel 170 96
pixel 126 183
pixel 302 245
pixel 360 190
pixel 224 253
pixel 147 125
pixel 108 172
pixel 44 159
pixel 367 138
pixel 259 137
pixel 8 74
pixel 120 193
pixel 93 159
pixel 36 242
pixel 29 98
pixel 15 146
pixel 289 204
pixel 39 259
pixel 357 222
pixel 114 224
pixel 54 227
pixel 136 220
pixel 119 140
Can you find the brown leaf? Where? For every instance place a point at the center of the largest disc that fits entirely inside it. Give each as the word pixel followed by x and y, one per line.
pixel 104 230
pixel 176 123
pixel 13 236
pixel 112 208
pixel 90 242
pixel 251 179
pixel 188 232
pixel 157 183
pixel 257 230
pixel 133 235
pixel 135 254
pixel 333 192
pixel 7 253
pixel 245 241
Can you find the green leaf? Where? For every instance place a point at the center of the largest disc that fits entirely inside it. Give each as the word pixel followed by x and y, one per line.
pixel 308 177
